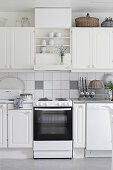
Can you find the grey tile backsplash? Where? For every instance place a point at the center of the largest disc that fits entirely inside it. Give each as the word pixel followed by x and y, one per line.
pixel 53 84
pixel 39 85
pixel 73 84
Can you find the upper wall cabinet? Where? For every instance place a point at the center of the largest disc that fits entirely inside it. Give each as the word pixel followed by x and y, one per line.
pixel 16 48
pixel 22 48
pixel 102 40
pixel 92 49
pixel 53 17
pixel 4 48
pixel 81 47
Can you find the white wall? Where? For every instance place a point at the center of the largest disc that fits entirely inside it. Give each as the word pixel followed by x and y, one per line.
pixel 100 15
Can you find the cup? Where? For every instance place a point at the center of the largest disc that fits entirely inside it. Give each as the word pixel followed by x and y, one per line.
pixel 43 49
pixel 58 34
pixel 51 34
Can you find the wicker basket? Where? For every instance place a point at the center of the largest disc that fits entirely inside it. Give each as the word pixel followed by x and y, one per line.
pixel 87 21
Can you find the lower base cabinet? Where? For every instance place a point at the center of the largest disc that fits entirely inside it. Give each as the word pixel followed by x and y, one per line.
pixel 20 128
pixel 16 126
pixel 78 125
pixel 3 126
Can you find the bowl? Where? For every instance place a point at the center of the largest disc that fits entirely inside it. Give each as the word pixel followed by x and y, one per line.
pixel 26 96
pixel 96 84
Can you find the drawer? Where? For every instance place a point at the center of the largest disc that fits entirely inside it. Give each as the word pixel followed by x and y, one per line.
pixel 25 106
pixel 52 145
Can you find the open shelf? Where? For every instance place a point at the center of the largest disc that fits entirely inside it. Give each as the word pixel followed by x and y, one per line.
pixel 50 59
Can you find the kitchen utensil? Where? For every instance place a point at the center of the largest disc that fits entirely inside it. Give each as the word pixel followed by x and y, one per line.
pixel 86 92
pixel 3 21
pixel 82 87
pixel 26 96
pixel 108 22
pixel 96 84
pixel 51 34
pixel 92 94
pixel 25 22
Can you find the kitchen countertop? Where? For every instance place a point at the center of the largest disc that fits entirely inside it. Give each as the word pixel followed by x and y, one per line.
pixel 11 102
pixel 91 101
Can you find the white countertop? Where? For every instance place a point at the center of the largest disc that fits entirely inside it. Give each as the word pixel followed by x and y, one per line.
pixel 91 101
pixel 11 102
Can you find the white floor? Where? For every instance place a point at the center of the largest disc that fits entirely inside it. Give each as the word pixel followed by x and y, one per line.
pixel 57 164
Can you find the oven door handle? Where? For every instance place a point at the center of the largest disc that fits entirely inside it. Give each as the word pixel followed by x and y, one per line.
pixel 61 109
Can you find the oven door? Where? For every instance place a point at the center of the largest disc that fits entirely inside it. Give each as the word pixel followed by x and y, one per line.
pixel 52 124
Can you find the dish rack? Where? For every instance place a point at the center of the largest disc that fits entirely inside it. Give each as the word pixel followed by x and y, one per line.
pixel 93 94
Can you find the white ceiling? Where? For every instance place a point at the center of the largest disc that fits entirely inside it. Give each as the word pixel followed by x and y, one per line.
pixel 77 5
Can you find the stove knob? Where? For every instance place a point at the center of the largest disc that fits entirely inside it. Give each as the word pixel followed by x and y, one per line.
pixel 67 104
pixel 41 104
pixel 64 104
pixel 36 103
pixel 46 104
pixel 59 104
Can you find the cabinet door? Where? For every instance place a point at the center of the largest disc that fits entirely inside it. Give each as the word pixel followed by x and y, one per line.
pixel 79 125
pixel 53 17
pixel 3 126
pixel 20 129
pixel 98 127
pixel 101 48
pixel 4 48
pixel 81 48
pixel 22 48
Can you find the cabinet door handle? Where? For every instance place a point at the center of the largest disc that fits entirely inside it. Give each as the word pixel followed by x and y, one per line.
pixel 93 66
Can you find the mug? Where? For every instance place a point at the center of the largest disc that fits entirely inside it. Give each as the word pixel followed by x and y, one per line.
pixel 58 34
pixel 51 34
pixel 43 49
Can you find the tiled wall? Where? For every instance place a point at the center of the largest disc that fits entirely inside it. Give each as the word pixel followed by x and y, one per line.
pixel 53 84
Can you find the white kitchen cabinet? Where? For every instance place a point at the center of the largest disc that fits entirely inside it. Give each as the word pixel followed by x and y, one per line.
pixel 102 58
pixel 22 48
pixel 20 129
pixel 4 48
pixel 78 125
pixel 3 126
pixel 98 127
pixel 81 48
pixel 92 49
pixel 53 18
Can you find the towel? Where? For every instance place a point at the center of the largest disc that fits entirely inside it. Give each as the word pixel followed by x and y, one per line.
pixel 18 103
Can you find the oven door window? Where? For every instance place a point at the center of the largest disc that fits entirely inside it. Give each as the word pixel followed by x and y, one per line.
pixel 52 124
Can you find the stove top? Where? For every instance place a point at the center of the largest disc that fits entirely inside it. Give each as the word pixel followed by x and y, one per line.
pixel 45 102
pixel 57 99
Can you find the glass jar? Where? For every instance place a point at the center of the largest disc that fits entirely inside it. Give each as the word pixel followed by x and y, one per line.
pixel 25 22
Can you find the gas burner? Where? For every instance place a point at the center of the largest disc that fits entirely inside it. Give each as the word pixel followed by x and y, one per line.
pixel 61 99
pixel 44 99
